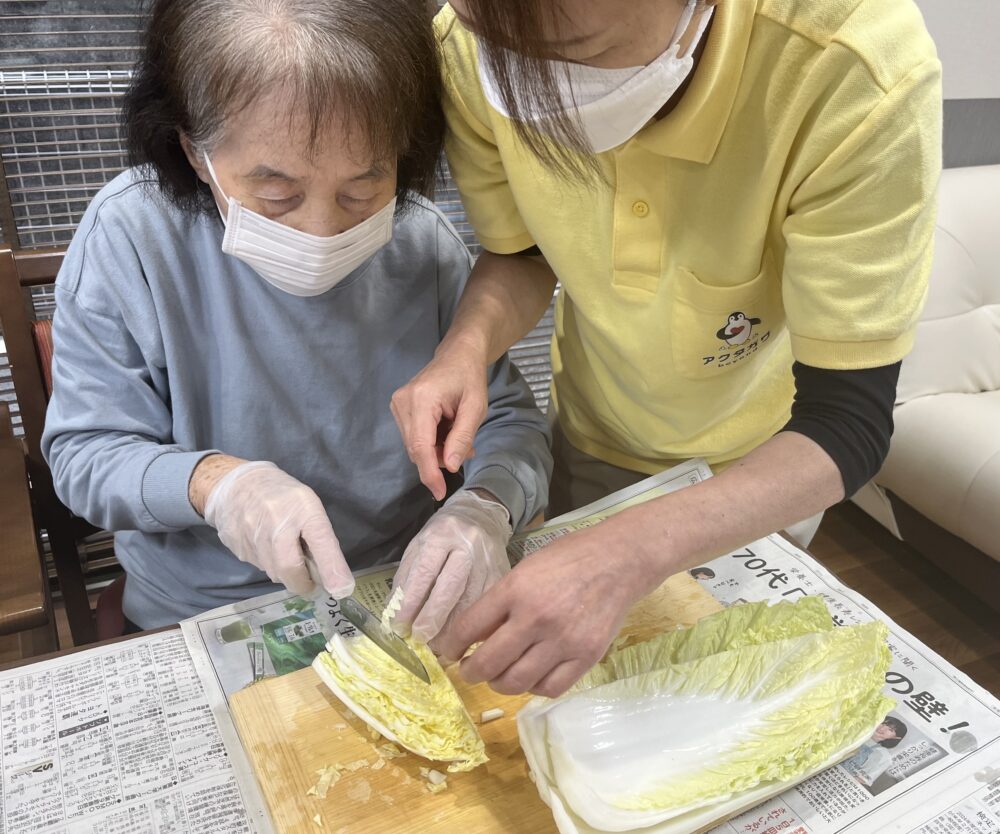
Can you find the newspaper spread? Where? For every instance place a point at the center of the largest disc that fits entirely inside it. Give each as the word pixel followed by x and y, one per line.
pixel 120 740
pixel 942 776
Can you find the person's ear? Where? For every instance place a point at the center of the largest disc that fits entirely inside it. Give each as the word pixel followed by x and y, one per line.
pixel 194 158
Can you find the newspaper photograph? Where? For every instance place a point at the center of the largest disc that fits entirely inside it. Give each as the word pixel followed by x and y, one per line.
pixel 120 740
pixel 272 635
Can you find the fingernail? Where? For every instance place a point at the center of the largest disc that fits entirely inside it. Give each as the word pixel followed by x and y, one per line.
pixel 343 591
pixel 454 462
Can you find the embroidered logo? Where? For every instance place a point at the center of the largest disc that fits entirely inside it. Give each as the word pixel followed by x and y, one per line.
pixel 740 340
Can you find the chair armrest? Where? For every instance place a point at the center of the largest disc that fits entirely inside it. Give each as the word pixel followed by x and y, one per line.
pixel 23 598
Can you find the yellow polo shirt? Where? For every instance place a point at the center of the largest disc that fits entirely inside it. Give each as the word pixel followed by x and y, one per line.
pixel 784 209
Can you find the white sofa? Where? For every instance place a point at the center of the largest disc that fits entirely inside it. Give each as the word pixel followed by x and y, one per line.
pixel 942 475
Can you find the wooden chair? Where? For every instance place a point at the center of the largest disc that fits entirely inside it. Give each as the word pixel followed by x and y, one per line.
pixel 25 604
pixel 29 351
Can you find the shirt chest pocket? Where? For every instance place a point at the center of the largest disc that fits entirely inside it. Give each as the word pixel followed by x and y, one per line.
pixel 717 330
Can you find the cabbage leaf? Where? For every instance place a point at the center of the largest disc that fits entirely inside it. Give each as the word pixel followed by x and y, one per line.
pixel 731 628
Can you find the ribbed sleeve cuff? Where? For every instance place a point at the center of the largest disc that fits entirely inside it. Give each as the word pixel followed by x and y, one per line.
pixel 165 489
pixel 850 356
pixel 501 482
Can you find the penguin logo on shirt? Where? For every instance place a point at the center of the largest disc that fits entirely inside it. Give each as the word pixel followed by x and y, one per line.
pixel 737 329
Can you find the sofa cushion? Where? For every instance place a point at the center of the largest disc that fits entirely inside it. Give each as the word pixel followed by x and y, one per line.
pixel 944 462
pixel 957 348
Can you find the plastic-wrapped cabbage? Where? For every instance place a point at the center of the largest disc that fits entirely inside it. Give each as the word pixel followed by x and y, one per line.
pixel 672 734
pixel 427 719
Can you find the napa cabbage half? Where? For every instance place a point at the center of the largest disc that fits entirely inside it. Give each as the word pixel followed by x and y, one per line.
pixel 750 697
pixel 427 719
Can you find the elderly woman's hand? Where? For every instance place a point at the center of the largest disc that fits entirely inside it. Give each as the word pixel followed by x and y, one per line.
pixel 459 554
pixel 266 517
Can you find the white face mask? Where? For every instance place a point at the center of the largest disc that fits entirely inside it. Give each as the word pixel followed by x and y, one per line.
pixel 297 262
pixel 613 105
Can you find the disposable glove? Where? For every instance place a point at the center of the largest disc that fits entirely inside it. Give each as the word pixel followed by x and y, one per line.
pixel 460 552
pixel 266 517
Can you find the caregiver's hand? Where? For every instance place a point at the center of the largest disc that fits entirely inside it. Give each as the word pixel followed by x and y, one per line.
pixel 460 553
pixel 552 617
pixel 264 516
pixel 440 410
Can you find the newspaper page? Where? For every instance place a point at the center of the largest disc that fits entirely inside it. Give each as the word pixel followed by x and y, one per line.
pixel 938 772
pixel 120 740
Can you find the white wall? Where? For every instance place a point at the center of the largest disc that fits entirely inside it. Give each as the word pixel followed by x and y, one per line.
pixel 967 34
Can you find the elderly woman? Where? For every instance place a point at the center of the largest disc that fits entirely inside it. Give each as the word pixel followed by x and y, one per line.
pixel 235 312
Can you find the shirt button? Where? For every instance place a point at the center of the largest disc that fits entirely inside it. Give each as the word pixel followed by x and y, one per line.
pixel 640 208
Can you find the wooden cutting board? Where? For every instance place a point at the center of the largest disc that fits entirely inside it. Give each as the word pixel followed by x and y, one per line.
pixel 293 726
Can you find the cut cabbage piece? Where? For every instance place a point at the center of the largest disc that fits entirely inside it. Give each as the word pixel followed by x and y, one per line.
pixel 427 719
pixel 664 745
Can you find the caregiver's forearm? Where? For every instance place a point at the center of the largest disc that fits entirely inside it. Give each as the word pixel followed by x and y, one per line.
pixel 784 480
pixel 505 297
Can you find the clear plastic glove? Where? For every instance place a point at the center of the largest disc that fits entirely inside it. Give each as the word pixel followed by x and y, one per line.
pixel 265 516
pixel 460 552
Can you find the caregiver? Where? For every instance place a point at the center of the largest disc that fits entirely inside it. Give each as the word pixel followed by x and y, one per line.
pixel 738 200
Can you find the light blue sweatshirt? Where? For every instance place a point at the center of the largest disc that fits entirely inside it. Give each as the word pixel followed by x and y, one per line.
pixel 167 349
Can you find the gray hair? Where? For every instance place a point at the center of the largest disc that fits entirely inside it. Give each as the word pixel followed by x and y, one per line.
pixel 370 63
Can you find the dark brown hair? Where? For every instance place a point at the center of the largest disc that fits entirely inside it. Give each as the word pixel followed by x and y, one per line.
pixel 898 727
pixel 509 34
pixel 372 63
pixel 517 58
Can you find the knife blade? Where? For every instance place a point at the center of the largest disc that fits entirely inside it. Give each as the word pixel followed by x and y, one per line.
pixel 388 641
pixel 365 622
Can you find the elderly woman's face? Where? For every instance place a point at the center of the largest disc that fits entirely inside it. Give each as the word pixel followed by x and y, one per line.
pixel 266 161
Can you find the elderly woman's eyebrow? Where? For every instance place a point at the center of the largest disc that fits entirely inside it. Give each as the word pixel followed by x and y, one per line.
pixel 266 172
pixel 376 172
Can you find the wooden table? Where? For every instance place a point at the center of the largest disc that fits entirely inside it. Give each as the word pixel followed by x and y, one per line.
pixel 16 664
